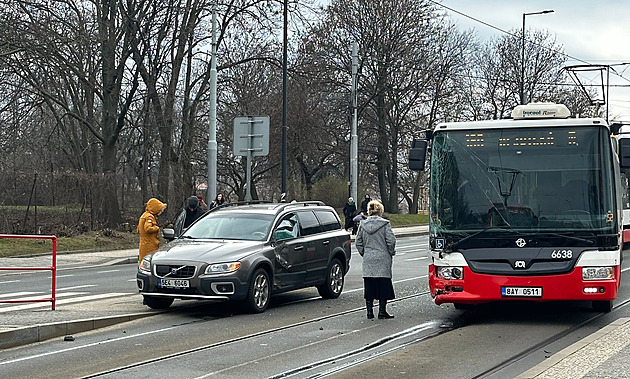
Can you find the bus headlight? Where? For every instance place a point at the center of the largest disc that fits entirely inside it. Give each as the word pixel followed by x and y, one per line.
pixel 598 273
pixel 450 273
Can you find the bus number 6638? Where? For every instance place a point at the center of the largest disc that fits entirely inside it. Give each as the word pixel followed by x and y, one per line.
pixel 562 254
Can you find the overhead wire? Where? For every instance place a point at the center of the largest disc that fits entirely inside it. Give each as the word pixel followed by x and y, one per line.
pixel 515 35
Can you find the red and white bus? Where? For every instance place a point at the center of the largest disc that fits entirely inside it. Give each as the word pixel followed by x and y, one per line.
pixel 527 208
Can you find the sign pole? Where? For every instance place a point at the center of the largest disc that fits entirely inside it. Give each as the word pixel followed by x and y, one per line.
pixel 248 193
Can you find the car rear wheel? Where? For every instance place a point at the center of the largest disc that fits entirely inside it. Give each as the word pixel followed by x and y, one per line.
pixel 334 281
pixel 259 292
pixel 158 302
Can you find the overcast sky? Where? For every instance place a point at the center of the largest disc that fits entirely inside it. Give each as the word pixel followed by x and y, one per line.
pixel 597 32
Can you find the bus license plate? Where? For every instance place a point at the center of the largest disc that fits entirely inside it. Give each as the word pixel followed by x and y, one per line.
pixel 173 283
pixel 521 291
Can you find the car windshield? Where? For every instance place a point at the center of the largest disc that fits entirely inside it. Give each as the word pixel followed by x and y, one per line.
pixel 525 180
pixel 232 226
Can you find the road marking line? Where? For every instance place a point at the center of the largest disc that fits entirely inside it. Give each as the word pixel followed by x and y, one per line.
pixel 106 271
pixel 84 346
pixel 416 259
pixel 394 282
pixel 65 301
pixel 11 281
pixel 77 287
pixel 19 294
pixel 65 276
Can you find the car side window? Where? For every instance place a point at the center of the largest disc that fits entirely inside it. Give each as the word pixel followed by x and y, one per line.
pixel 328 220
pixel 308 223
pixel 287 228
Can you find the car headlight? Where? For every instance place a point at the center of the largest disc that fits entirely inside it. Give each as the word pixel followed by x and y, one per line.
pixel 145 264
pixel 450 273
pixel 598 273
pixel 222 268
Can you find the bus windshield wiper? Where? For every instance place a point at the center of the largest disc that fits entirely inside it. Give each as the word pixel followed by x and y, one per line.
pixel 467 238
pixel 552 234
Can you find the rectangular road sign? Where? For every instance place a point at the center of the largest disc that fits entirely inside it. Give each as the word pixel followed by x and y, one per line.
pixel 251 133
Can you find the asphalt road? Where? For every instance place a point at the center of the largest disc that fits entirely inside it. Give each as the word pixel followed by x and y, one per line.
pixel 304 336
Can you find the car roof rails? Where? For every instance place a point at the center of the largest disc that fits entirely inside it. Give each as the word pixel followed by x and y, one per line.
pixel 283 206
pixel 237 203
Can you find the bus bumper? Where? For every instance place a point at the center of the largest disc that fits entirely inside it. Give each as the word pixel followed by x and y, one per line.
pixel 482 288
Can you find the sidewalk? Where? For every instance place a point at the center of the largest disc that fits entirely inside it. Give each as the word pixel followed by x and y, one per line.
pixel 603 354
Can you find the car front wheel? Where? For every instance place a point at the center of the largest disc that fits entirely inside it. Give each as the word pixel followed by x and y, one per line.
pixel 259 292
pixel 158 302
pixel 333 286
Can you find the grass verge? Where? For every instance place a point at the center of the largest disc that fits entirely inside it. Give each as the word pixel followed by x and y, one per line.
pixel 88 241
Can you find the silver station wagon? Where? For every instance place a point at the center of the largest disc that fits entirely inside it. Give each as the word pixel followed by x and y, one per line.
pixel 247 253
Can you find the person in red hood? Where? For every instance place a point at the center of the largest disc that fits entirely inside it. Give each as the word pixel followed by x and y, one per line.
pixel 148 227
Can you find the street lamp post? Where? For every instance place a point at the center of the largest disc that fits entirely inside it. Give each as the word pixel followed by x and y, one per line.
pixel 523 51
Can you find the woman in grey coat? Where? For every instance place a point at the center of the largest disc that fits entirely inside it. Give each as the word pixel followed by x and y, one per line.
pixel 377 245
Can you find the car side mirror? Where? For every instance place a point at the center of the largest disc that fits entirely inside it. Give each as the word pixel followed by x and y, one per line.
pixel 168 233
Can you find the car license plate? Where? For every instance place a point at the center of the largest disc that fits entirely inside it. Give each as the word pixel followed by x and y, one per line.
pixel 521 291
pixel 173 283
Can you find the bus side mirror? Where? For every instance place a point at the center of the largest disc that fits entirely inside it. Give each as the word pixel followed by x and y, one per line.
pixel 417 155
pixel 624 152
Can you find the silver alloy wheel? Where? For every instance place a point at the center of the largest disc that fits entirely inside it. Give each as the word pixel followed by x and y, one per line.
pixel 261 291
pixel 336 278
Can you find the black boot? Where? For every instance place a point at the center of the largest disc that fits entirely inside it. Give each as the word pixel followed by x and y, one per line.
pixel 382 310
pixel 369 304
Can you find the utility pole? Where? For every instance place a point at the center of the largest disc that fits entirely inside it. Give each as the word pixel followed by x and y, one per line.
pixel 354 139
pixel 284 106
pixel 523 51
pixel 212 133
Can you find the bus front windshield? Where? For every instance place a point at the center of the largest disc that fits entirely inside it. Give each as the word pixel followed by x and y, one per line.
pixel 530 179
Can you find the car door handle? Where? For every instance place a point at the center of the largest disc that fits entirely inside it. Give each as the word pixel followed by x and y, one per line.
pixel 298 248
pixel 325 243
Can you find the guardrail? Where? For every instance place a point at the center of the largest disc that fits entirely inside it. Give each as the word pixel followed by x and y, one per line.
pixel 52 268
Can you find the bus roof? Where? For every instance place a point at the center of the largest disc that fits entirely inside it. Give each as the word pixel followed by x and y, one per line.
pixel 512 123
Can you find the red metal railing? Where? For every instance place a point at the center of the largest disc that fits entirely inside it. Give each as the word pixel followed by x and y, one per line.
pixel 52 268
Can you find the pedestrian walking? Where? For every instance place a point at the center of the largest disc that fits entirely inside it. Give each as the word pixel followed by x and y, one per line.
pixel 188 215
pixel 148 228
pixel 365 203
pixel 348 212
pixel 376 243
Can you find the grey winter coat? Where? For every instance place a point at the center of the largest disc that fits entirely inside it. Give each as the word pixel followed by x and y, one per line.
pixel 377 245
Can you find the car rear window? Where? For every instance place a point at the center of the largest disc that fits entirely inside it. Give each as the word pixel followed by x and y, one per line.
pixel 328 220
pixel 308 223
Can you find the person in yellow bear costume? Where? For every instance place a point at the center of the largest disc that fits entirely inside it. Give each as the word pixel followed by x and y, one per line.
pixel 149 229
